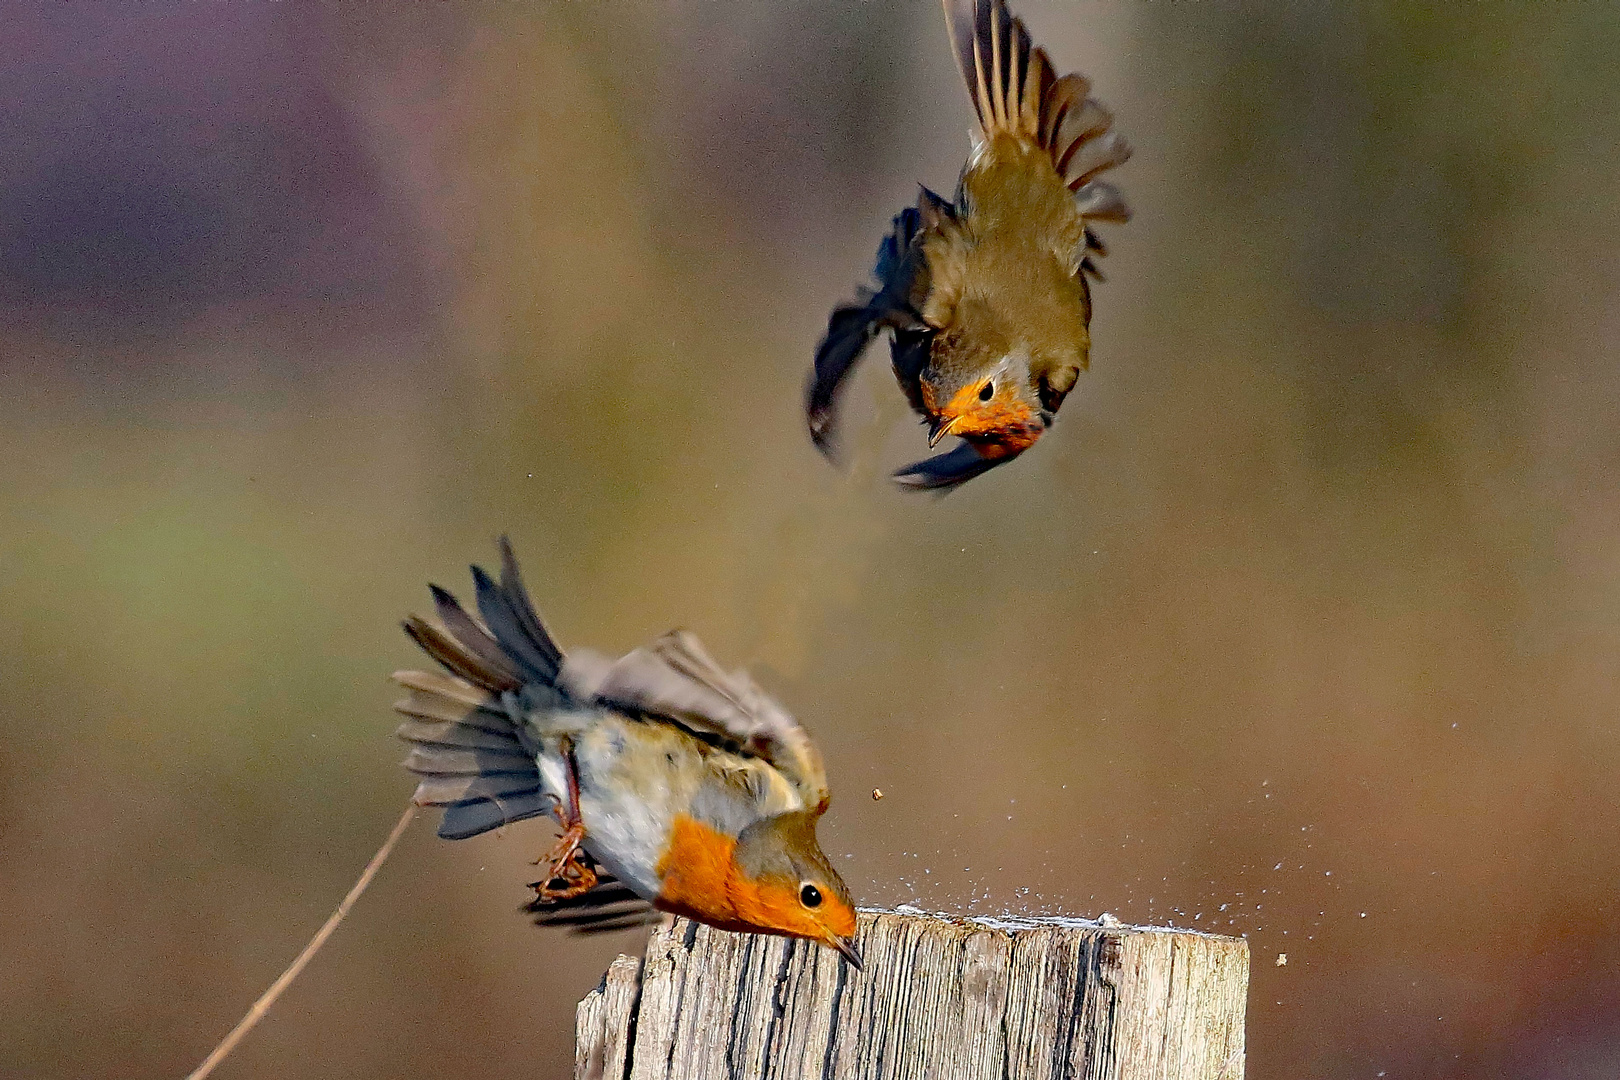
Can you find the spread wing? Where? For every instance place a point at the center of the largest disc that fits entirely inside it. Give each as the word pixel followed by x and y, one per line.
pixel 903 282
pixel 675 677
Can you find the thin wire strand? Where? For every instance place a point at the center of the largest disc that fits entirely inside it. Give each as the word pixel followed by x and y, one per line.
pixel 262 1006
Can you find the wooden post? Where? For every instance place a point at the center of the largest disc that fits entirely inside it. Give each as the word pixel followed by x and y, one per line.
pixel 941 998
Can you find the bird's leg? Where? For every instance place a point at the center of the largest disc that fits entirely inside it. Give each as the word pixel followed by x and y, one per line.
pixel 569 870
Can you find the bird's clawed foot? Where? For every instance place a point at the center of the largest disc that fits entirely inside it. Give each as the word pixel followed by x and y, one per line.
pixel 570 871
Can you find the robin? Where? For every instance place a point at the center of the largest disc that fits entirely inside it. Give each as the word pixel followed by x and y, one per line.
pixel 986 295
pixel 678 786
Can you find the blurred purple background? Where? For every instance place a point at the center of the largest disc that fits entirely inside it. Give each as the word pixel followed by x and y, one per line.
pixel 1304 623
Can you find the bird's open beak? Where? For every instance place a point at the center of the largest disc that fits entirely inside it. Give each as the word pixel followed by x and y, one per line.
pixel 940 430
pixel 848 950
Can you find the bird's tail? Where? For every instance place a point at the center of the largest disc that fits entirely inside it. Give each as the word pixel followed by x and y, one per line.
pixel 1015 90
pixel 474 756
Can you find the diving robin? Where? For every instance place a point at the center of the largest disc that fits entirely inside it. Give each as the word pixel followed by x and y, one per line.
pixel 678 786
pixel 986 295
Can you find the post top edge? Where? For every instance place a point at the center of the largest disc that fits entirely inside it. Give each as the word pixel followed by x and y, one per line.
pixel 1011 924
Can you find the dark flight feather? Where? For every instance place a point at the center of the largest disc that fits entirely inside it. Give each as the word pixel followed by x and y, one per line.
pixel 431 707
pixel 472 755
pixel 437 760
pixel 943 472
pixel 611 905
pixel 546 654
pixel 457 735
pixel 901 276
pixel 474 638
pixel 510 634
pixel 462 820
pixel 442 790
pixel 456 659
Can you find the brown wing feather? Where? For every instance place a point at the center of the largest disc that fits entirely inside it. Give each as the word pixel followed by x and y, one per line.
pixel 676 678
pixel 456 658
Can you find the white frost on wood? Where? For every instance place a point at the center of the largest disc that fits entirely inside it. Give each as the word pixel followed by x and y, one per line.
pixel 941 997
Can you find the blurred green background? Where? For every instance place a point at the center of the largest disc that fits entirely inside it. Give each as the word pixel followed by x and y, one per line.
pixel 1304 622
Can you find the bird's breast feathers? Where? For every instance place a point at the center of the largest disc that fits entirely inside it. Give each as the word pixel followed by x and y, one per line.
pixel 696 872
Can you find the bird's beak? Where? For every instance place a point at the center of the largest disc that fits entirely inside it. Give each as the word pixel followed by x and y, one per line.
pixel 848 951
pixel 940 431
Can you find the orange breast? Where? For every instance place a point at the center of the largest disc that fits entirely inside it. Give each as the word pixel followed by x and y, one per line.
pixel 1004 444
pixel 694 870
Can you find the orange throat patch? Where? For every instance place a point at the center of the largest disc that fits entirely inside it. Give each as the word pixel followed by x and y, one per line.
pixel 996 427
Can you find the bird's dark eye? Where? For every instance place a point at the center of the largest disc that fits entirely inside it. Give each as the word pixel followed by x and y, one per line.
pixel 987 391
pixel 809 895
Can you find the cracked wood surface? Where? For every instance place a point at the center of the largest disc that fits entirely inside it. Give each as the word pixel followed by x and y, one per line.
pixel 941 997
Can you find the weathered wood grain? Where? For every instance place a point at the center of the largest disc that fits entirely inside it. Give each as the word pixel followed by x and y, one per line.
pixel 941 997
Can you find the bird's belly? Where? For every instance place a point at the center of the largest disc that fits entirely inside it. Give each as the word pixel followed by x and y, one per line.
pixel 634 779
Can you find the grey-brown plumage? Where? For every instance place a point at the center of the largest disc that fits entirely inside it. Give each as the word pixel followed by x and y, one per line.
pixel 986 296
pixel 677 785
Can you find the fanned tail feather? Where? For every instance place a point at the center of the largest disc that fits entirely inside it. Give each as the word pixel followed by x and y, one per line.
pixel 473 756
pixel 1014 90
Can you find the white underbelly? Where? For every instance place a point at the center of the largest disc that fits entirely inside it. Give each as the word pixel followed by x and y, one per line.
pixel 629 792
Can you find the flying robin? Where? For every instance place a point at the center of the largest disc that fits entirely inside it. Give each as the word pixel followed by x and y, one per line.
pixel 678 786
pixel 986 295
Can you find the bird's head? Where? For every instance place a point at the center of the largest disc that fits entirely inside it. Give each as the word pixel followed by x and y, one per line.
pixel 782 883
pixel 997 402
